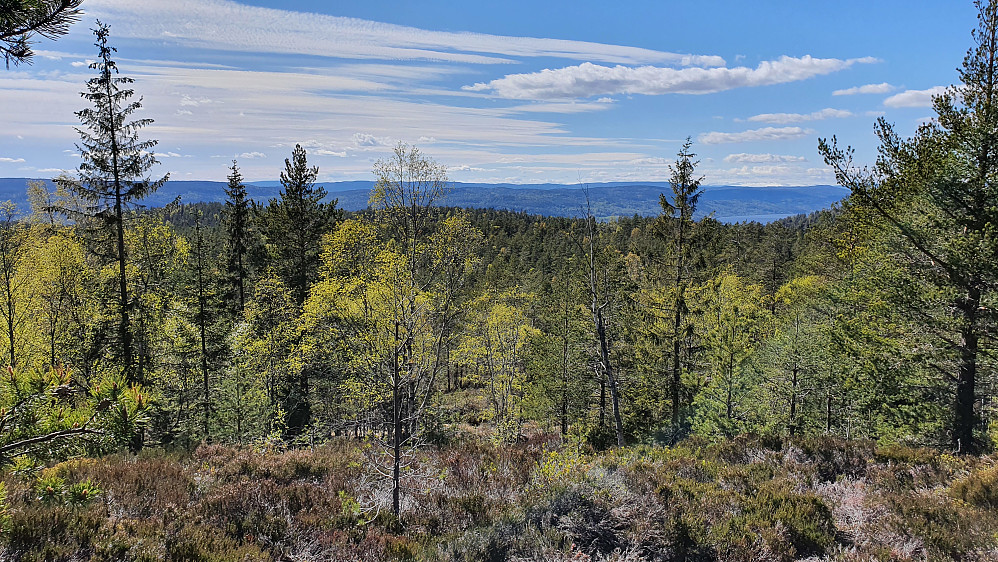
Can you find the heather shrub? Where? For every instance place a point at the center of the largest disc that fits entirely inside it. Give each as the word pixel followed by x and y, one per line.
pixel 979 488
pixel 945 528
pixel 46 531
pixel 833 457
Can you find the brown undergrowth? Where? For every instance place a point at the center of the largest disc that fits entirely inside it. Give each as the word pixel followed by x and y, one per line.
pixel 749 498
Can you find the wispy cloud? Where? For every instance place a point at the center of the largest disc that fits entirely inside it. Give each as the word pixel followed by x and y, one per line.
pixel 882 88
pixel 742 157
pixel 7 160
pixel 785 118
pixel 588 79
pixel 771 174
pixel 914 98
pixel 567 107
pixel 251 155
pixel 756 135
pixel 227 25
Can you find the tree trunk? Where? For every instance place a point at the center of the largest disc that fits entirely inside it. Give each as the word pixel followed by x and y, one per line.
pixel 396 428
pixel 964 414
pixel 610 379
pixel 202 321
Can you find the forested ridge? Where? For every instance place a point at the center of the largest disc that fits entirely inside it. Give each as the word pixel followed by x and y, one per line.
pixel 287 380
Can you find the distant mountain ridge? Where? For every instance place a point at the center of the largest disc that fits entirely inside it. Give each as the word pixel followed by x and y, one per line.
pixel 615 199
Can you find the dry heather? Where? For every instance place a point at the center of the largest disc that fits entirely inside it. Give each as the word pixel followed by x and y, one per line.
pixel 746 499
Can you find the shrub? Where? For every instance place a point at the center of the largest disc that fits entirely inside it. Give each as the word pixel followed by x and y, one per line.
pixel 979 488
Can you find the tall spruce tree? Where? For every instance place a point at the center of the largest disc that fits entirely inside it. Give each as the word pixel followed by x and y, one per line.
pixel 935 193
pixel 237 227
pixel 113 174
pixel 678 226
pixel 295 223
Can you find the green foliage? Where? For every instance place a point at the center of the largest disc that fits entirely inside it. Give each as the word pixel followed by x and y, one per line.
pixel 294 224
pixel 979 488
pixel 49 415
pixel 21 20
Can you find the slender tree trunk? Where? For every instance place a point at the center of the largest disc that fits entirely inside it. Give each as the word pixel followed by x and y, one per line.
pixel 11 304
pixel 396 427
pixel 729 407
pixel 241 279
pixel 610 379
pixel 793 401
pixel 966 417
pixel 202 321
pixel 677 322
pixel 828 412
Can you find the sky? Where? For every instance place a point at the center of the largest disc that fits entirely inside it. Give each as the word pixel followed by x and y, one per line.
pixel 516 91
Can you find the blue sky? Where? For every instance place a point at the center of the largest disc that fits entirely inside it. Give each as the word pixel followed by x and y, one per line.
pixel 513 91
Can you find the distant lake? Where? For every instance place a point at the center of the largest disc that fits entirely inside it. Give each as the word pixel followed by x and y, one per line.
pixel 753 218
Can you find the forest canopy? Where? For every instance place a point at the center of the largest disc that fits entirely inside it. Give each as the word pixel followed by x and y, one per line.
pixel 408 327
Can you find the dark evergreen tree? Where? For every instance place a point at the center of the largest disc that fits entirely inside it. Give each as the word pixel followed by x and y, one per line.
pixel 237 216
pixel 936 194
pixel 678 225
pixel 295 222
pixel 112 176
pixel 20 19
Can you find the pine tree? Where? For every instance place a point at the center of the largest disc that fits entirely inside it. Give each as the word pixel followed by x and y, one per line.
pixel 296 222
pixel 936 194
pixel 20 19
pixel 112 175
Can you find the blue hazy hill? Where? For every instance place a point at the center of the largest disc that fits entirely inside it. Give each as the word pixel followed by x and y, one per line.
pixel 727 203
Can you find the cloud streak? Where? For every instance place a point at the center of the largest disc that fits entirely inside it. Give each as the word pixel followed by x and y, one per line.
pixel 743 158
pixel 227 25
pixel 756 135
pixel 915 98
pixel 786 118
pixel 882 88
pixel 588 79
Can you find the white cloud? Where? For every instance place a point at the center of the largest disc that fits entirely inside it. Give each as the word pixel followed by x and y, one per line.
pixel 569 107
pixel 914 98
pixel 368 140
pixel 325 152
pixel 882 88
pixel 588 79
pixel 771 175
pixel 251 155
pixel 762 158
pixel 466 168
pixel 11 160
pixel 187 100
pixel 227 25
pixel 785 118
pixel 650 161
pixel 756 135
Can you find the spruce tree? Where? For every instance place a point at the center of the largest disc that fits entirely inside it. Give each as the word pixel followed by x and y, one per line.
pixel 237 227
pixel 112 176
pixel 678 226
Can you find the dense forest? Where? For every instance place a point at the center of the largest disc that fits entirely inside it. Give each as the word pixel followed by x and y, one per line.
pixel 286 380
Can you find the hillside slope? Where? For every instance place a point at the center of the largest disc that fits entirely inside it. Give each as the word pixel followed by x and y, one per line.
pixel 726 203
